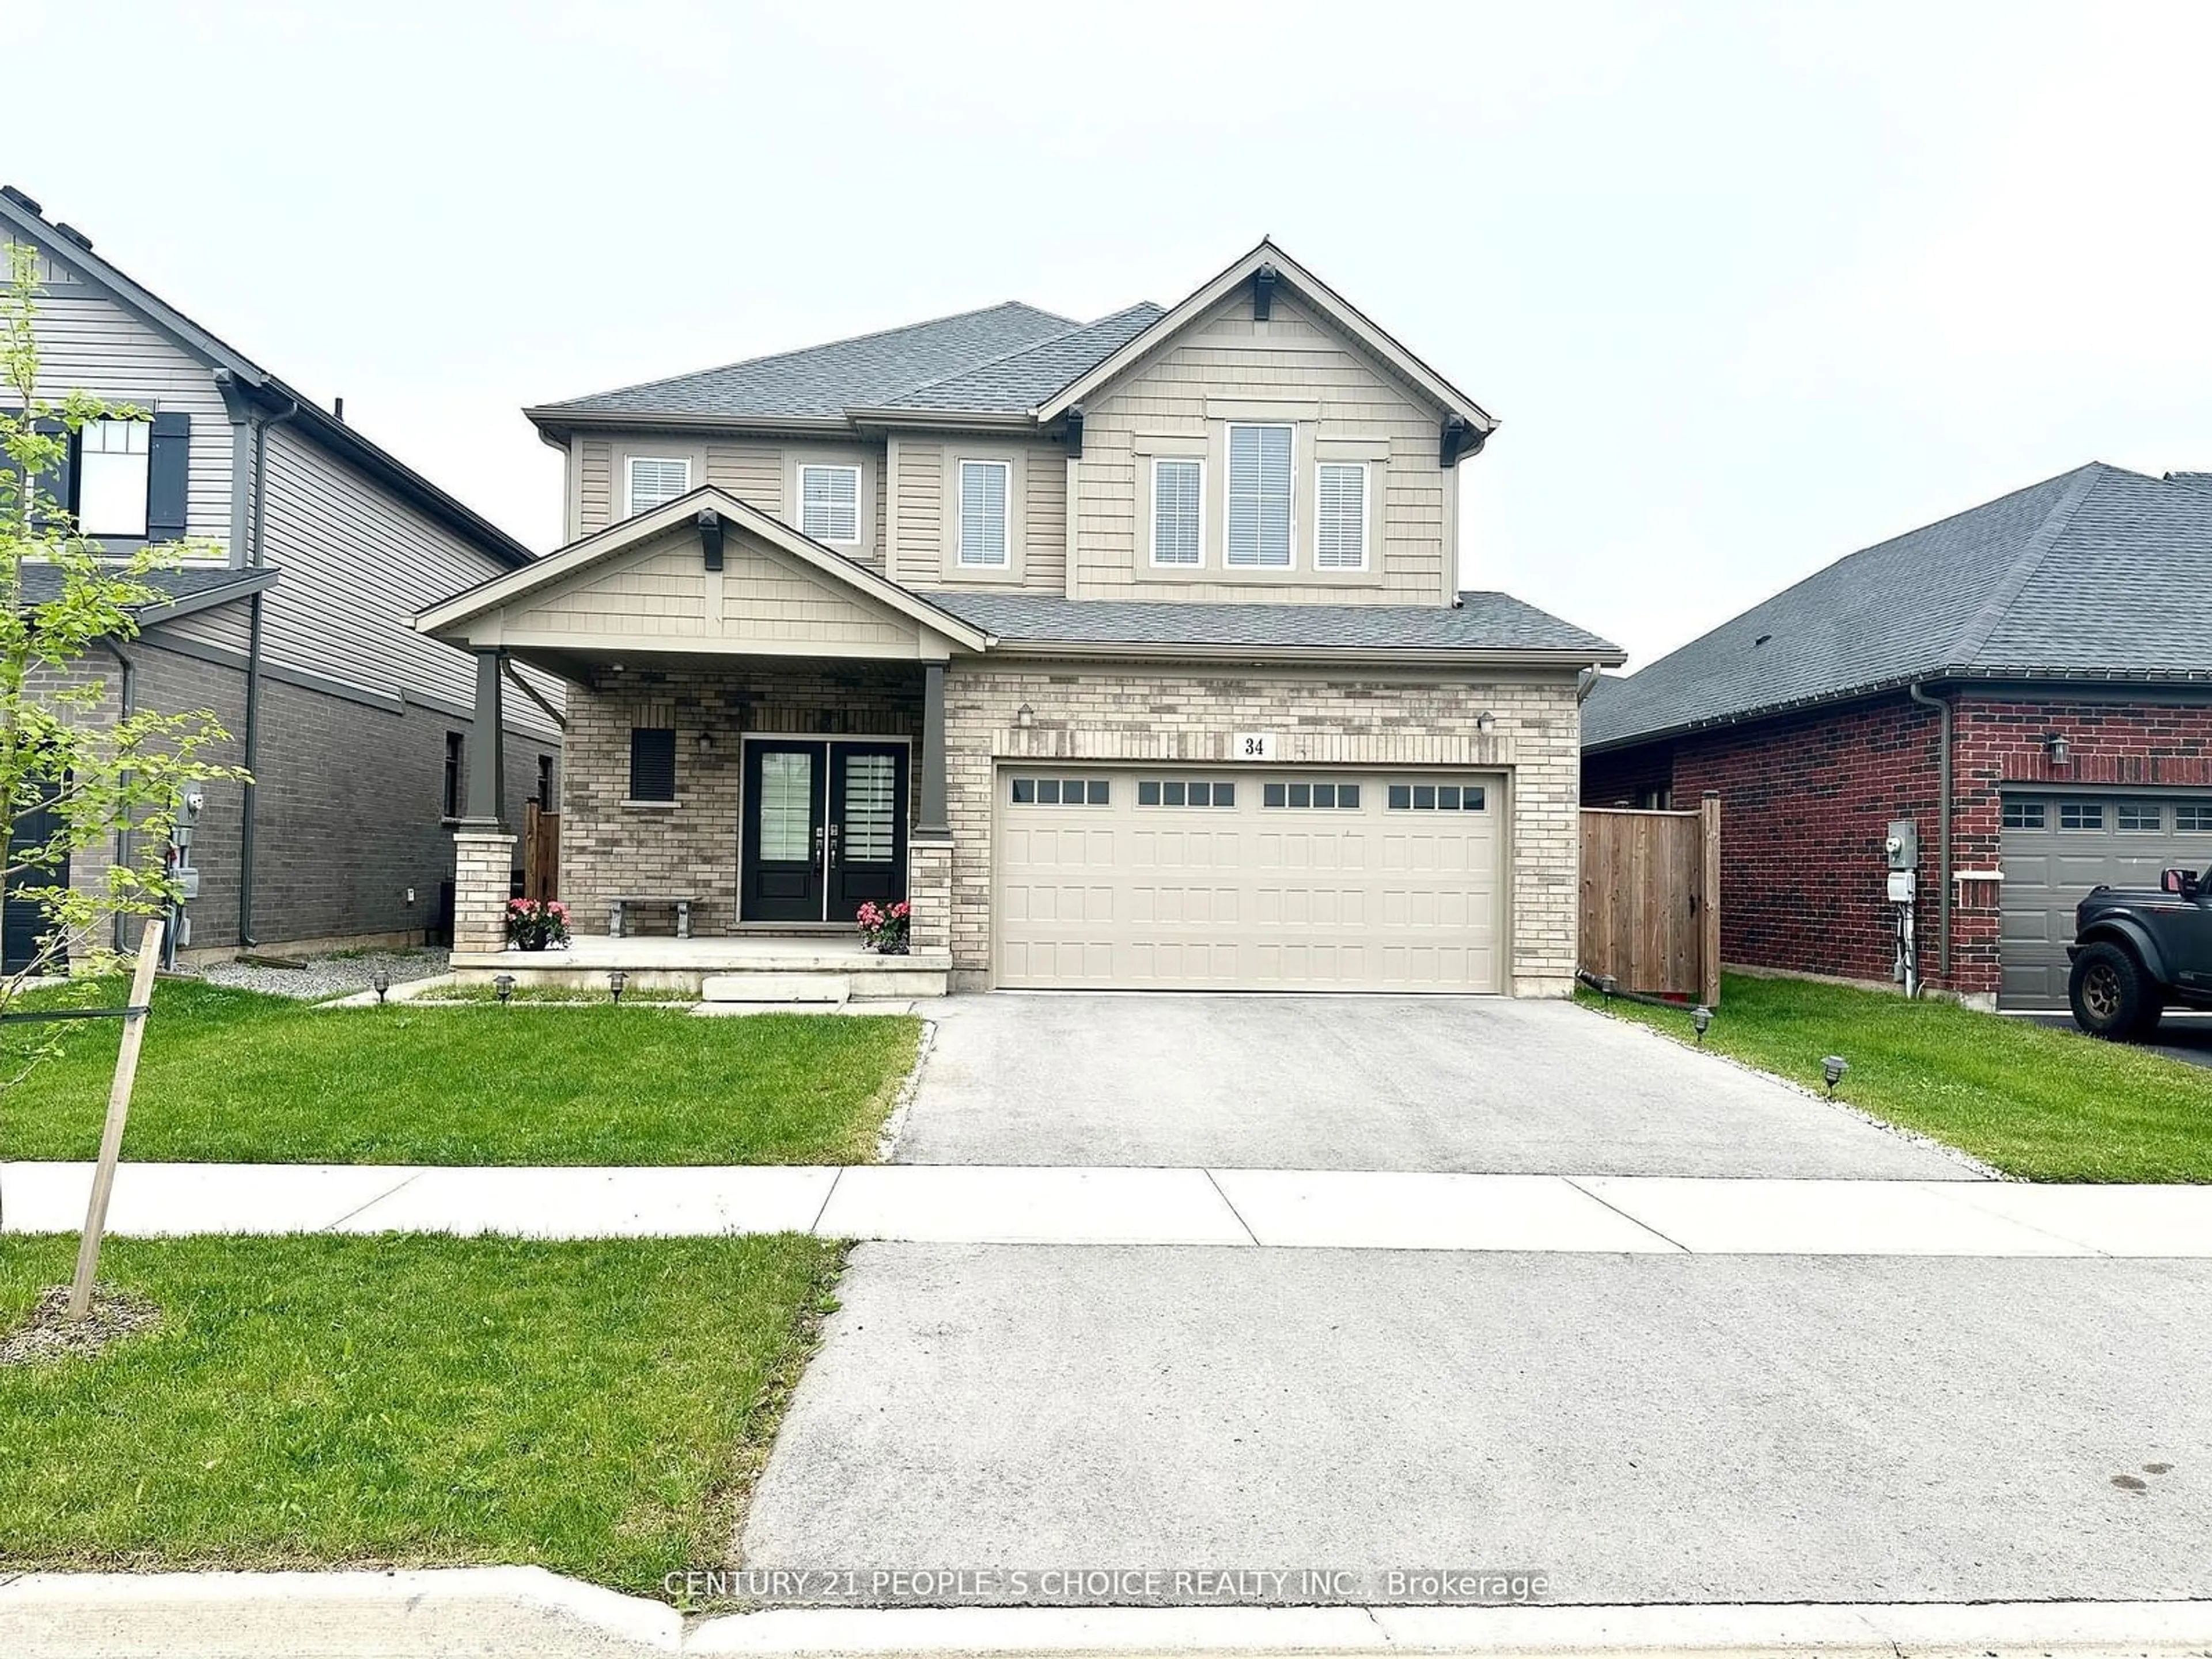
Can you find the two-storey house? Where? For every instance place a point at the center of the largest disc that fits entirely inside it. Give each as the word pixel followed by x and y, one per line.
pixel 310 549
pixel 1131 651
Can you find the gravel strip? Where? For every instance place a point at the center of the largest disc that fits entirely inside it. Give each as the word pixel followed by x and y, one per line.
pixel 327 976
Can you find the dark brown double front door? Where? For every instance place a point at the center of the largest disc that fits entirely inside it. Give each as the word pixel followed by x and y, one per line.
pixel 825 829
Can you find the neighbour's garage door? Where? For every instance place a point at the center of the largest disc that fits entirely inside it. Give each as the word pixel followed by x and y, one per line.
pixel 2056 847
pixel 1247 879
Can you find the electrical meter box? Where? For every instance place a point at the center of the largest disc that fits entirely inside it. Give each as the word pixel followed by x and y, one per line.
pixel 1903 845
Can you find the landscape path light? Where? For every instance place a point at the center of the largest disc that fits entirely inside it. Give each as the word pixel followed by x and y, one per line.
pixel 1833 1069
pixel 503 988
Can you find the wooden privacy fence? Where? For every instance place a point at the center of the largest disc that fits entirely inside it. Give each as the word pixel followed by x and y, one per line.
pixel 1650 910
pixel 541 853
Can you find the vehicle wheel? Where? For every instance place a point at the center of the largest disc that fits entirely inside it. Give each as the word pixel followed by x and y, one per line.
pixel 2110 991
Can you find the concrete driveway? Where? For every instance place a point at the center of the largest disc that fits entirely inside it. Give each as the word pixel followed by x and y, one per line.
pixel 1640 1428
pixel 1452 1084
pixel 2184 1035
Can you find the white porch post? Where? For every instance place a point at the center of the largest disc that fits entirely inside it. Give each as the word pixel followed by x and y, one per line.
pixel 483 850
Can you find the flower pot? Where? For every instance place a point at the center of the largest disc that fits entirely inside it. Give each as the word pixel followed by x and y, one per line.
pixel 895 947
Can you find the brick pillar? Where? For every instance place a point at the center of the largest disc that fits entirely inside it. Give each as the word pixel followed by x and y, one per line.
pixel 484 869
pixel 929 891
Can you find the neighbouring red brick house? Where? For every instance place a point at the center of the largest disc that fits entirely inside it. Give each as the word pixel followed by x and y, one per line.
pixel 2065 634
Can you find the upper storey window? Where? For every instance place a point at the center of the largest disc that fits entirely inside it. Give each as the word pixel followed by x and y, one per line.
pixel 113 460
pixel 1178 504
pixel 1260 532
pixel 656 478
pixel 984 486
pixel 1341 516
pixel 829 503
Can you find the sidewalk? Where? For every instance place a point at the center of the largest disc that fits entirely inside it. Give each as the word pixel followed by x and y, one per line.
pixel 1263 1208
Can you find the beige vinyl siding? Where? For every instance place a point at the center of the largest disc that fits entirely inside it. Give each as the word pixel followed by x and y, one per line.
pixel 357 564
pixel 1038 517
pixel 88 342
pixel 1297 360
pixel 594 459
pixel 752 472
pixel 665 592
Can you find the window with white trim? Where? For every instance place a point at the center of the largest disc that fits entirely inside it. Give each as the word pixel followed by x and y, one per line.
pixel 1435 797
pixel 1061 791
pixel 829 503
pixel 1178 502
pixel 984 486
pixel 1341 516
pixel 1186 792
pixel 656 478
pixel 112 460
pixel 1260 472
pixel 1326 796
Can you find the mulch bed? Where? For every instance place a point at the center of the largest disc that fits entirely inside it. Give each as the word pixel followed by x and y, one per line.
pixel 51 1333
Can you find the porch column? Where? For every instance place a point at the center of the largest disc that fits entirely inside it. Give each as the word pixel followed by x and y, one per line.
pixel 929 850
pixel 484 851
pixel 933 751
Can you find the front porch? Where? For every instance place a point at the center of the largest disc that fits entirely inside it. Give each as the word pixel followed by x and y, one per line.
pixel 739 968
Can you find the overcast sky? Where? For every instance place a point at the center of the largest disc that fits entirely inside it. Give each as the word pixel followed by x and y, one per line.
pixel 1749 286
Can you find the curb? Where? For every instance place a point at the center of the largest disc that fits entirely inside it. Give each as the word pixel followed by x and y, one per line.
pixel 496 1612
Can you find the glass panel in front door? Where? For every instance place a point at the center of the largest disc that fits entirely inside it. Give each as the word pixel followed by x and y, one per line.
pixel 870 805
pixel 787 806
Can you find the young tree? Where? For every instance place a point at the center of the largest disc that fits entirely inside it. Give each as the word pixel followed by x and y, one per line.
pixel 71 777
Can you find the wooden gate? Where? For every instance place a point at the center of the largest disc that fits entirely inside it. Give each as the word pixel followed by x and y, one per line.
pixel 541 853
pixel 1651 911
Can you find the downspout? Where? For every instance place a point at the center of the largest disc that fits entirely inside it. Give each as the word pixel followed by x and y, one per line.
pixel 253 733
pixel 1585 682
pixel 128 687
pixel 1942 708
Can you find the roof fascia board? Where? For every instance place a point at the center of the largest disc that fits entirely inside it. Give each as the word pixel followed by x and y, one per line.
pixel 1340 310
pixel 248 582
pixel 474 602
pixel 555 419
pixel 1388 656
pixel 954 420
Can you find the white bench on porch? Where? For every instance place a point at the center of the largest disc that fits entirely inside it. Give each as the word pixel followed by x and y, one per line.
pixel 682 902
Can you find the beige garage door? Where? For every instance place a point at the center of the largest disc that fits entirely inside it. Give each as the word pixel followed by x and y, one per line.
pixel 1248 878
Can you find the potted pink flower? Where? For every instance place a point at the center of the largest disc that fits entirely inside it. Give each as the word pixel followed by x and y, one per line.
pixel 884 926
pixel 537 924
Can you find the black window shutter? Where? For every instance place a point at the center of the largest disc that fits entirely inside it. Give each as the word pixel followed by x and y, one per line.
pixel 652 763
pixel 166 476
pixel 56 485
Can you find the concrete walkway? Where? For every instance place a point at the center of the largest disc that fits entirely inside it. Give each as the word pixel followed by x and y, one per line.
pixel 1265 1208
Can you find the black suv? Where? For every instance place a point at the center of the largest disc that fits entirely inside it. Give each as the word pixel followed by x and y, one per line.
pixel 2136 949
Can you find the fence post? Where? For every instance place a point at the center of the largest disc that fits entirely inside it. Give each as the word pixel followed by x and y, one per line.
pixel 119 1109
pixel 1709 952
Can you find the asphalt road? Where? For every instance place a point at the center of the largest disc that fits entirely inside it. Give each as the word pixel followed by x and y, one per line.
pixel 1639 1428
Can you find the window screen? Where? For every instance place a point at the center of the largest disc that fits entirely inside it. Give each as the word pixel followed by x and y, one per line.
pixel 829 503
pixel 1340 513
pixel 1176 493
pixel 652 762
pixel 984 512
pixel 1260 497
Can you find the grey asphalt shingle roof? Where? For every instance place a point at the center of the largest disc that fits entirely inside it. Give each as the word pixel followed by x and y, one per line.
pixel 824 381
pixel 1482 622
pixel 1023 380
pixel 42 583
pixel 2098 573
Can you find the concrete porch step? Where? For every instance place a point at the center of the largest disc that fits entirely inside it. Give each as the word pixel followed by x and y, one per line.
pixel 768 986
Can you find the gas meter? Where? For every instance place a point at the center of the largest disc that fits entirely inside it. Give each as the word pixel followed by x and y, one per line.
pixel 1901 849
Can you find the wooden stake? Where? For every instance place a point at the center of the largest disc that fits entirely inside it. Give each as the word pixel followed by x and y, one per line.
pixel 119 1109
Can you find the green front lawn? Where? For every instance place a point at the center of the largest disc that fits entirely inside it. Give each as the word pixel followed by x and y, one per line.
pixel 596 1408
pixel 231 1076
pixel 2049 1105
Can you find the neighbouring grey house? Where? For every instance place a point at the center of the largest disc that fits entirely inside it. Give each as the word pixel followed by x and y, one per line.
pixel 1131 651
pixel 295 630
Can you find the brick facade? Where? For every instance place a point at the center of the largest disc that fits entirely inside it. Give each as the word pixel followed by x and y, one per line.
pixel 1807 798
pixel 607 848
pixel 1100 715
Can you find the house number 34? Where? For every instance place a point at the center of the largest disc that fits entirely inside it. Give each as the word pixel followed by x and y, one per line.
pixel 1254 746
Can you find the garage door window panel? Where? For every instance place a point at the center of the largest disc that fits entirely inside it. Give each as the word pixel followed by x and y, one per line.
pixel 1291 796
pixel 2140 817
pixel 2193 818
pixel 2082 815
pixel 1437 797
pixel 2023 814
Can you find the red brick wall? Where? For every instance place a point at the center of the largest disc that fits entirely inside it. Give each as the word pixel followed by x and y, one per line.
pixel 1807 798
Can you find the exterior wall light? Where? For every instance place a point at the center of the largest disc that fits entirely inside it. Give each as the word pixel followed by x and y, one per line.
pixel 706 743
pixel 503 986
pixel 2055 746
pixel 1700 1017
pixel 1025 717
pixel 1486 722
pixel 1833 1069
pixel 380 983
pixel 616 980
